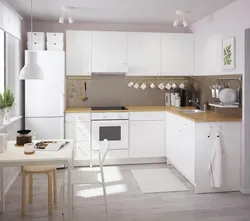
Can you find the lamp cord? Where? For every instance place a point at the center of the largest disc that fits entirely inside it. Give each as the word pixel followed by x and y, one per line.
pixel 31 23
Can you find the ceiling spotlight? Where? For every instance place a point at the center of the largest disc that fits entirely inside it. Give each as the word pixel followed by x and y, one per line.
pixel 180 14
pixel 61 19
pixel 66 9
pixel 176 23
pixel 185 23
pixel 71 20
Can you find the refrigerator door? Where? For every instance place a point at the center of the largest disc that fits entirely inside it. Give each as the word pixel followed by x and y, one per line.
pixel 46 128
pixel 45 98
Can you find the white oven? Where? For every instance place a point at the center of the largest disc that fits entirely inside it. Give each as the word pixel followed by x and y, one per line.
pixel 110 126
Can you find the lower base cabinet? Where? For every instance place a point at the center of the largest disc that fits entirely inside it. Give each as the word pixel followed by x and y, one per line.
pixel 189 149
pixel 147 139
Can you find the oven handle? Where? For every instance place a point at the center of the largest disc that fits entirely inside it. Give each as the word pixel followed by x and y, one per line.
pixel 110 123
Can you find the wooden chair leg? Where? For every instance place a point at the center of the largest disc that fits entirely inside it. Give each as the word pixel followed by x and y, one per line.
pixel 30 188
pixel 54 184
pixel 23 192
pixel 50 177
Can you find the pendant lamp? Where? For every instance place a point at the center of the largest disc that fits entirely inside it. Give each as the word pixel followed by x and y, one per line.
pixel 31 69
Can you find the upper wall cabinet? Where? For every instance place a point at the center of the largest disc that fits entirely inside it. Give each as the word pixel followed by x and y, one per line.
pixel 144 51
pixel 109 53
pixel 78 53
pixel 177 54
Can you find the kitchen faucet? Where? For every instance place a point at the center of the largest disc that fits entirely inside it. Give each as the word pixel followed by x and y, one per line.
pixel 197 103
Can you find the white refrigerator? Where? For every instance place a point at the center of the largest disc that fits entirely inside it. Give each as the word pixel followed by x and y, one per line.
pixel 44 99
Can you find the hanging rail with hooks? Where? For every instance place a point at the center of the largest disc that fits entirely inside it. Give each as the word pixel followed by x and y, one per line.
pixel 239 79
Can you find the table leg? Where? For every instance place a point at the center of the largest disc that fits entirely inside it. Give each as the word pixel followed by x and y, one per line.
pixel 2 191
pixel 69 190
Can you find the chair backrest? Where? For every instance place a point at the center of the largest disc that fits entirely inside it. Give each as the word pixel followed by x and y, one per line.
pixel 103 151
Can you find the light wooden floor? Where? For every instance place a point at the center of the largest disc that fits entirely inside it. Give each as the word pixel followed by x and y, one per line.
pixel 127 203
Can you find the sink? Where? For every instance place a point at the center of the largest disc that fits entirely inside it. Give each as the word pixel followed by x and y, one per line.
pixel 190 111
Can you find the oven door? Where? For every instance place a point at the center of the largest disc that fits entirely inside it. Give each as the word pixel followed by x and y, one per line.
pixel 115 131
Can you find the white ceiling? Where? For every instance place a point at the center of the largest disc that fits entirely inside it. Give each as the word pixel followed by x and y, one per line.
pixel 161 12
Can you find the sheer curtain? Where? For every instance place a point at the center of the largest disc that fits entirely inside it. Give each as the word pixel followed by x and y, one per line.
pixel 2 61
pixel 12 71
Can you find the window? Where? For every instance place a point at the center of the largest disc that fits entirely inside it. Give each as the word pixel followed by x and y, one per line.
pixel 2 61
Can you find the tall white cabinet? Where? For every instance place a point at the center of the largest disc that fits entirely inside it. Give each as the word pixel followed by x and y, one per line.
pixel 109 51
pixel 177 54
pixel 78 53
pixel 144 53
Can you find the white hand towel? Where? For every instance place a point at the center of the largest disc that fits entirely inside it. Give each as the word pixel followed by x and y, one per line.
pixel 215 165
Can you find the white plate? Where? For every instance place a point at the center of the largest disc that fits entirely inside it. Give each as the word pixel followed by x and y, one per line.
pixel 227 96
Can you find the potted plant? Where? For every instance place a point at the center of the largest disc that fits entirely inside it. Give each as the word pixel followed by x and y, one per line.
pixel 2 109
pixel 8 99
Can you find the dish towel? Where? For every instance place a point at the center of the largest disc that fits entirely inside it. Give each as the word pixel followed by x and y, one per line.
pixel 215 164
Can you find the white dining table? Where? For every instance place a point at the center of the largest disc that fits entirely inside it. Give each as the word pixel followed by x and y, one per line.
pixel 14 157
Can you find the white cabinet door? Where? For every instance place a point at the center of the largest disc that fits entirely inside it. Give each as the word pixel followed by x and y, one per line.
pixel 78 53
pixel 177 54
pixel 109 52
pixel 143 51
pixel 147 139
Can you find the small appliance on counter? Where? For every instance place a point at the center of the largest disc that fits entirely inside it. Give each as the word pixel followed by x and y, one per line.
pixel 24 136
pixel 185 97
pixel 167 99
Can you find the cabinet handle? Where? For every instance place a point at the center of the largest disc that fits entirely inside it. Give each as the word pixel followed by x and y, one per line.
pixel 80 130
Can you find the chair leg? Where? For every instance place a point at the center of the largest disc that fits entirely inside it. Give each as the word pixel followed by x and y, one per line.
pixel 105 198
pixel 23 192
pixel 49 192
pixel 54 184
pixel 62 199
pixel 30 188
pixel 73 196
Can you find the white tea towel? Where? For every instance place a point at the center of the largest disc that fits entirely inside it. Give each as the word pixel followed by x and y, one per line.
pixel 215 164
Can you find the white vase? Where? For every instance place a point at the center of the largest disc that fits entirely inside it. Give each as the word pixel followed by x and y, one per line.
pixel 6 116
pixel 1 119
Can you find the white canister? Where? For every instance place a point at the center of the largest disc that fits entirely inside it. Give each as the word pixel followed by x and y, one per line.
pixel 3 142
pixel 177 102
pixel 173 96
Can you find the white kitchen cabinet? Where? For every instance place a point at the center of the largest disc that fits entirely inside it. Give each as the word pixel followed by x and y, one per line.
pixel 147 135
pixel 143 51
pixel 78 53
pixel 78 128
pixel 177 54
pixel 109 51
pixel 180 146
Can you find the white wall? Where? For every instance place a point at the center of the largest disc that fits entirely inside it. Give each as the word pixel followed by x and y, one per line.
pixel 231 21
pixel 209 32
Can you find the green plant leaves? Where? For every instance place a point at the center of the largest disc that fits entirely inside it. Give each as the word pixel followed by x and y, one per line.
pixel 228 55
pixel 6 99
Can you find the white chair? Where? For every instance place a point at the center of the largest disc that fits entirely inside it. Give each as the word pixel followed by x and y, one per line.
pixel 80 177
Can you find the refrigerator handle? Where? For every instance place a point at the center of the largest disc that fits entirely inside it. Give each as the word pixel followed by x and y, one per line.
pixel 62 105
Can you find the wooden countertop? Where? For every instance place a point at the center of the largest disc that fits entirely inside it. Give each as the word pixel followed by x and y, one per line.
pixel 196 117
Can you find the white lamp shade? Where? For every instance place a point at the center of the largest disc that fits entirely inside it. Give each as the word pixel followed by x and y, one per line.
pixel 185 23
pixel 176 23
pixel 31 69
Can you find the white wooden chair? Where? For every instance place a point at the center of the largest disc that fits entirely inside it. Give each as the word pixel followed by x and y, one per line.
pixel 80 177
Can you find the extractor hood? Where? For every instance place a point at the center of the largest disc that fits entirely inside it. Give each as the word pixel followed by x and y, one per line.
pixel 115 70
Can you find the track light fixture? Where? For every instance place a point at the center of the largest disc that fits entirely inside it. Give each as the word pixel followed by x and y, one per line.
pixel 177 20
pixel 67 10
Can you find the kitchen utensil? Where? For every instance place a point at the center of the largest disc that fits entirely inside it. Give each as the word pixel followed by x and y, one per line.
pixel 85 98
pixel 136 85
pixel 227 96
pixel 130 84
pixel 24 136
pixel 143 86
pixel 81 91
pixel 152 85
pixel 177 101
pixel 217 92
pixel 167 99
pixel 168 86
pixel 3 142
pixel 161 86
pixel 173 96
pixel 185 97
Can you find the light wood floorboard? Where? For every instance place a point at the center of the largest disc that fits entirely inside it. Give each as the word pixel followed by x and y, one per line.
pixel 127 203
